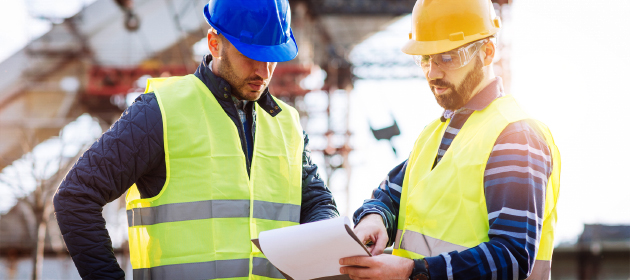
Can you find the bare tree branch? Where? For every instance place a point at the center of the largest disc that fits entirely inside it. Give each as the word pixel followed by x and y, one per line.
pixel 37 199
pixel 17 186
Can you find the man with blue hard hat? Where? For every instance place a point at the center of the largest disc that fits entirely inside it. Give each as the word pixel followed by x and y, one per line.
pixel 208 161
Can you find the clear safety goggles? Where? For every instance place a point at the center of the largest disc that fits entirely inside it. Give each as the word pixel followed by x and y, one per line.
pixel 450 60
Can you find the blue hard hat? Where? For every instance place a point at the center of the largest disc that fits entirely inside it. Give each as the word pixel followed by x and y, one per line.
pixel 259 29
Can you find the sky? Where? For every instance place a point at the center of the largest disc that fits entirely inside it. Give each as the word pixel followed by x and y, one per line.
pixel 570 69
pixel 22 20
pixel 569 64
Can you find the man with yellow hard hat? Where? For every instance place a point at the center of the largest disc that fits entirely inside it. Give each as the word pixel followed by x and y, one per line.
pixel 476 199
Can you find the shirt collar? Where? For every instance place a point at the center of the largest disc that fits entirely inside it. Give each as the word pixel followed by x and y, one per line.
pixel 222 90
pixel 482 99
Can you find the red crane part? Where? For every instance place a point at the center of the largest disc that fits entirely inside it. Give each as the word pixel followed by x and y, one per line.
pixel 108 81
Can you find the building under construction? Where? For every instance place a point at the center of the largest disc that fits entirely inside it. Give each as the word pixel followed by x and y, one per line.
pixel 92 62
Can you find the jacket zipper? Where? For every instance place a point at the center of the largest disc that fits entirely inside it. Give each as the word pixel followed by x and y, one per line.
pixel 241 134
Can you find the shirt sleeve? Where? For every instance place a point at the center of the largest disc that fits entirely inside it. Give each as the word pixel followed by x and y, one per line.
pixel 317 200
pixel 385 201
pixel 132 147
pixel 515 182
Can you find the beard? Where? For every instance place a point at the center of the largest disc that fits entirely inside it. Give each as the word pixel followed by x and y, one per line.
pixel 458 96
pixel 239 86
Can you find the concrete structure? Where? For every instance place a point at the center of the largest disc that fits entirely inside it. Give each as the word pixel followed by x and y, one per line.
pixel 89 62
pixel 49 82
pixel 602 252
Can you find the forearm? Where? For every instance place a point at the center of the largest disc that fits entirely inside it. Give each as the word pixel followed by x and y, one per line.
pixel 83 228
pixel 317 204
pixel 377 206
pixel 317 200
pixel 132 147
pixel 496 259
pixel 79 202
pixel 89 185
pixel 385 201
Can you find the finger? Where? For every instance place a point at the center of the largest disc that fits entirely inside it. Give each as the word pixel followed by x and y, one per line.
pixel 353 271
pixel 356 261
pixel 363 235
pixel 349 261
pixel 380 245
pixel 372 247
pixel 373 250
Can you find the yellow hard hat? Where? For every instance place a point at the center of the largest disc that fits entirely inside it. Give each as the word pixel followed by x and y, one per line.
pixel 442 25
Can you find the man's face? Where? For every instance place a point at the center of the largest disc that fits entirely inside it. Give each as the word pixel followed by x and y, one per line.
pixel 454 88
pixel 247 77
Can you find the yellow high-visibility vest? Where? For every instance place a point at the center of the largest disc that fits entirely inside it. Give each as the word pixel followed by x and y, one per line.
pixel 201 223
pixel 444 209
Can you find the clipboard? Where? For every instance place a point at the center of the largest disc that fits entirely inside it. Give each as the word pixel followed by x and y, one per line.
pixel 332 232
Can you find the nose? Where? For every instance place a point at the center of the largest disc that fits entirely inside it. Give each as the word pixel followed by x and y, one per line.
pixel 434 72
pixel 263 69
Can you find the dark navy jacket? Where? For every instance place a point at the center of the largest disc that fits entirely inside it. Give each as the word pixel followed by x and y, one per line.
pixel 132 151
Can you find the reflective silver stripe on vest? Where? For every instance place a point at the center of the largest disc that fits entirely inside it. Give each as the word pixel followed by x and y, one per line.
pixel 196 210
pixel 262 267
pixel 426 245
pixel 541 271
pixel 397 240
pixel 210 270
pixel 203 270
pixel 209 209
pixel 276 211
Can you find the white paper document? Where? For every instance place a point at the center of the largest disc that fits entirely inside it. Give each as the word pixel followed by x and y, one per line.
pixel 311 250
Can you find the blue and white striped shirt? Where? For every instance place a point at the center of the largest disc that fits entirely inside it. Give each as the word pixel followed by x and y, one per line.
pixel 515 179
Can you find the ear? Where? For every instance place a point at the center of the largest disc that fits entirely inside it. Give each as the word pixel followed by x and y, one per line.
pixel 489 50
pixel 214 44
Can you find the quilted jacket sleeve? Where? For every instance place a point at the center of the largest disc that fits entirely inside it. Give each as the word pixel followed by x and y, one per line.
pixel 317 201
pixel 131 148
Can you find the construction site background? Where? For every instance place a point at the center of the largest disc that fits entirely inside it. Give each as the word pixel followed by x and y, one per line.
pixel 69 68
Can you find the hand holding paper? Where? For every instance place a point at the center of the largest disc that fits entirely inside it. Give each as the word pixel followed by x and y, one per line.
pixel 371 228
pixel 378 267
pixel 312 250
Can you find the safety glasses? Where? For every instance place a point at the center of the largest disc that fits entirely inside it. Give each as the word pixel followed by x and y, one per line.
pixel 450 60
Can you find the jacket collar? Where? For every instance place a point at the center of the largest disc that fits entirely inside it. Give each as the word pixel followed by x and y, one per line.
pixel 222 90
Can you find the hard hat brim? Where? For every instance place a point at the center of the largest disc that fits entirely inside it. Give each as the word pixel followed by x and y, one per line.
pixel 272 53
pixel 413 47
